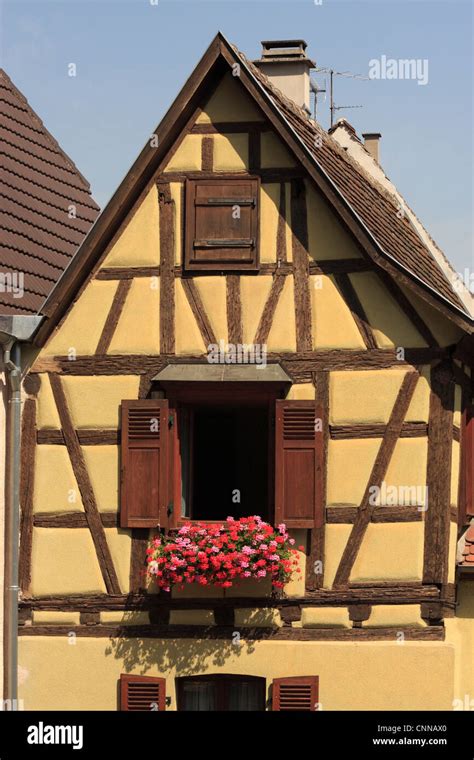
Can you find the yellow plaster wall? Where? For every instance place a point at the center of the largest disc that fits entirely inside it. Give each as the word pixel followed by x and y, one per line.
pixel 394 614
pixel 82 328
pixel 139 243
pixel 282 336
pixel 94 402
pixel 46 413
pixel 254 293
pixel 176 189
pixel 229 102
pixel 327 238
pixel 445 332
pixel 138 329
pixel 188 336
pixel 273 154
pixel 303 391
pixel 354 459
pixel 55 617
pixel 231 152
pixel 120 545
pixel 192 617
pixel 121 617
pixel 407 469
pixel 335 540
pixel 460 635
pixel 269 204
pixel 352 675
pixel 325 617
pixel 390 325
pixel 64 561
pixel 257 616
pixel 456 453
pixel 102 464
pixel 187 156
pixel 213 294
pixel 390 551
pixel 55 487
pixel 369 395
pixel 329 331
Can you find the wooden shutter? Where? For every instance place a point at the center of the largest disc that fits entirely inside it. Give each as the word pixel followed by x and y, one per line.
pixel 144 463
pixel 218 237
pixel 142 693
pixel 299 693
pixel 298 468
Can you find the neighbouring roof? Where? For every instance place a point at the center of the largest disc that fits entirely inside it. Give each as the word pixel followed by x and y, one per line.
pixel 374 206
pixel 38 184
pixel 466 547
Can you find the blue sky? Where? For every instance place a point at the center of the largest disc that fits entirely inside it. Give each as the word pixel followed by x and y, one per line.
pixel 132 57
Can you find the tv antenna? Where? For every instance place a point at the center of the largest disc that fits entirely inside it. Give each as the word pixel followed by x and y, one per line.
pixel 332 104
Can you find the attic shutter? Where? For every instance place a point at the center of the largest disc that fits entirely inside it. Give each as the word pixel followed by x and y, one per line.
pixel 298 472
pixel 299 693
pixel 145 464
pixel 221 224
pixel 139 693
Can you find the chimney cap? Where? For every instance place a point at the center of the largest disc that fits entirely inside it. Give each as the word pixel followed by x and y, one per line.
pixel 284 51
pixel 371 135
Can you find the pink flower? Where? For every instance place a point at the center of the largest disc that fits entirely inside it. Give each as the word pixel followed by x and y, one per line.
pixel 282 528
pixel 261 574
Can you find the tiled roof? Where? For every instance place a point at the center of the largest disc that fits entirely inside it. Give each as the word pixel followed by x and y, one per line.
pixel 38 185
pixel 468 550
pixel 375 206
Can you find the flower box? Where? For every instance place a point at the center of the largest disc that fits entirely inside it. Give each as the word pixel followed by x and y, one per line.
pixel 223 554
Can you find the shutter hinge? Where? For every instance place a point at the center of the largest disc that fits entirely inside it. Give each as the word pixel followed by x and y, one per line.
pixel 170 420
pixel 170 509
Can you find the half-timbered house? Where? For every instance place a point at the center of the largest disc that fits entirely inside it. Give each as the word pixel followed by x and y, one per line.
pixel 252 276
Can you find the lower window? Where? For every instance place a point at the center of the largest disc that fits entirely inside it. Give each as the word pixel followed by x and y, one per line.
pixel 211 693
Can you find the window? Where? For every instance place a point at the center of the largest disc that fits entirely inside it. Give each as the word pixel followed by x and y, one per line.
pixel 221 228
pixel 221 692
pixel 224 455
pixel 218 451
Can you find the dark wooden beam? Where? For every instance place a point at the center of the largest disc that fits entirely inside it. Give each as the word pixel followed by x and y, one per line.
pixel 207 154
pixel 387 514
pixel 27 475
pixel 234 309
pixel 315 580
pixel 352 300
pixel 438 478
pixel 167 299
pixel 197 307
pixel 72 519
pixel 299 230
pixel 373 430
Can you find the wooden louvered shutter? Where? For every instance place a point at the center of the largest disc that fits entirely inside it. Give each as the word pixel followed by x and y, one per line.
pixel 298 468
pixel 299 693
pixel 144 463
pixel 142 693
pixel 222 223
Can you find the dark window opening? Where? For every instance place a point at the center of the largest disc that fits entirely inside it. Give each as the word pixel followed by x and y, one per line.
pixel 224 454
pixel 214 693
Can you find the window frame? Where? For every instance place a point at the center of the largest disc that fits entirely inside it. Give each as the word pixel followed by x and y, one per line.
pixel 191 265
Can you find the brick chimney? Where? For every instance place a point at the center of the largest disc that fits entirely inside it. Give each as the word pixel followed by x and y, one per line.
pixel 286 65
pixel 371 143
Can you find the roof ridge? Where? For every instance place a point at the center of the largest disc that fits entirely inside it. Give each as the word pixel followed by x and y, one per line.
pixel 33 115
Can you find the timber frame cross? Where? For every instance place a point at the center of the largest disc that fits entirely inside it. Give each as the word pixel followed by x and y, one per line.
pixel 382 461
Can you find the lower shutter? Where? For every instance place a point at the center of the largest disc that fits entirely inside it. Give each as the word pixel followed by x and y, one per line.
pixel 299 693
pixel 142 693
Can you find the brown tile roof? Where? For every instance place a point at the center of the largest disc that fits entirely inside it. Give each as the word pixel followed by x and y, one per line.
pixel 372 203
pixel 468 551
pixel 38 183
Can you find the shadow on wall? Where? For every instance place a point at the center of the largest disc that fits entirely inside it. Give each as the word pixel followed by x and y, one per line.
pixel 184 656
